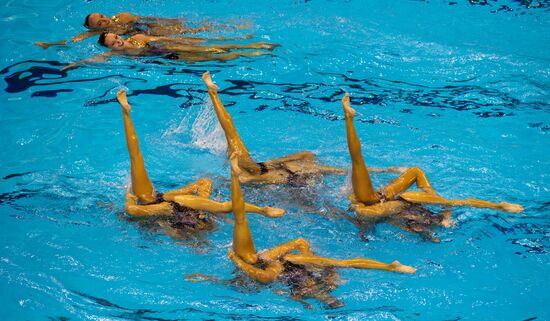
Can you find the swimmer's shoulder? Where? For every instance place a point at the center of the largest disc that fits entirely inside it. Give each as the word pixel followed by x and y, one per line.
pixel 126 17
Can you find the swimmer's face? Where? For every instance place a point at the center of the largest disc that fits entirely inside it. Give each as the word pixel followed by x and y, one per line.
pixel 114 41
pixel 98 21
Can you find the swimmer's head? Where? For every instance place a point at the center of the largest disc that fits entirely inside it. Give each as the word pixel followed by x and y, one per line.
pixel 111 40
pixel 96 21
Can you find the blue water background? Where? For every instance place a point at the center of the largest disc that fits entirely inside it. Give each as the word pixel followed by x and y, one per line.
pixel 459 88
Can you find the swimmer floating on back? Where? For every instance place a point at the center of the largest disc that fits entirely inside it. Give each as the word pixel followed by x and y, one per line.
pixel 292 263
pixel 126 23
pixel 183 48
pixel 294 169
pixel 393 198
pixel 186 204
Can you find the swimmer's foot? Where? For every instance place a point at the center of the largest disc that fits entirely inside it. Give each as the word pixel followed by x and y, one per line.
pixel 208 81
pixel 348 111
pixel 273 211
pixel 121 97
pixel 512 208
pixel 398 267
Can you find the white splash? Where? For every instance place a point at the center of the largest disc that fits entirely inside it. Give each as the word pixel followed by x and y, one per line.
pixel 204 129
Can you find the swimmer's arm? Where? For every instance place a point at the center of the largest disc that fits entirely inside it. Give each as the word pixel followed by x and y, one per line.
pixel 46 45
pixel 94 59
pixel 133 209
pixel 270 274
pixel 86 35
pixel 76 38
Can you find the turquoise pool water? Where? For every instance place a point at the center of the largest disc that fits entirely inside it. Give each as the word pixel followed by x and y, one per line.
pixel 459 88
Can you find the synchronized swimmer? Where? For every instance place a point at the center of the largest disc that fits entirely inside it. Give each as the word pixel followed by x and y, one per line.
pixel 190 209
pixel 185 49
pixel 185 206
pixel 291 263
pixel 295 169
pixel 125 23
pixel 394 198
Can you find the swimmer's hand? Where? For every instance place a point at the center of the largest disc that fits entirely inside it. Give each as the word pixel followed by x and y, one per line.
pixel 208 81
pixel 348 111
pixel 74 65
pixel 512 208
pixel 121 97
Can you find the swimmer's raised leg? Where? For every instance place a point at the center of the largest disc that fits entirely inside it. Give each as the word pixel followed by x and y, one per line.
pixel 234 141
pixel 243 245
pixel 358 263
pixel 426 198
pixel 141 184
pixel 202 188
pixel 209 205
pixel 362 185
pixel 406 180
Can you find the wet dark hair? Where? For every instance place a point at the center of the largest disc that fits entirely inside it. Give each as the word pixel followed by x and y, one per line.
pixel 87 21
pixel 101 39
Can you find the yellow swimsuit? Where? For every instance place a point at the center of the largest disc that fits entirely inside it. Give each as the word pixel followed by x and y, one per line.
pixel 136 43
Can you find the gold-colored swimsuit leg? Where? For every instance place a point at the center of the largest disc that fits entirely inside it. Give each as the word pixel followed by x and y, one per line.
pixel 427 198
pixel 141 184
pixel 356 263
pixel 234 141
pixel 202 188
pixel 362 185
pixel 378 209
pixel 266 275
pixel 206 204
pixel 299 244
pixel 405 181
pixel 243 245
pixel 161 209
